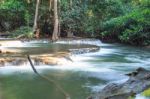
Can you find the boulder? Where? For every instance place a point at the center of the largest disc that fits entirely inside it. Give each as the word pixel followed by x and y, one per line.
pixel 138 81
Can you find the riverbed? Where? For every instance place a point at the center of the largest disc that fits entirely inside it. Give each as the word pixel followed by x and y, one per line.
pixel 87 73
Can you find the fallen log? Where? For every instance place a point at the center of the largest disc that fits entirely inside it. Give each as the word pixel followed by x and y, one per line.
pixel 138 82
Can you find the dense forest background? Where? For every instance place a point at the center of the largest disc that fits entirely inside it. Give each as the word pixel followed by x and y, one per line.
pixel 126 21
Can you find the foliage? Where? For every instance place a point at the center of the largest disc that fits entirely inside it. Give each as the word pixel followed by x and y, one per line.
pixel 15 13
pixel 126 21
pixel 132 28
pixel 11 5
pixel 71 16
pixel 23 32
pixel 85 17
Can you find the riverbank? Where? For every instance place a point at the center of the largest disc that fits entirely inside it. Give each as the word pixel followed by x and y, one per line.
pixel 25 34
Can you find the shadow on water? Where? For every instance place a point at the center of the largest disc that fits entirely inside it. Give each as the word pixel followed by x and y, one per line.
pixel 27 86
pixel 31 86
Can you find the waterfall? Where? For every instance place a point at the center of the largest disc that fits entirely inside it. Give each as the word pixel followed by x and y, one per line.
pixel 80 41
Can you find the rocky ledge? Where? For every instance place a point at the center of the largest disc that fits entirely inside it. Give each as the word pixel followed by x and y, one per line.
pixel 138 82
pixel 12 54
pixel 46 59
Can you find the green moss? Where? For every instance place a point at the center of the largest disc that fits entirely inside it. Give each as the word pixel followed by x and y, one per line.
pixel 131 97
pixel 146 93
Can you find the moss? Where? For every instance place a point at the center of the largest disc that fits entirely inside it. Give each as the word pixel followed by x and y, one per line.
pixel 146 93
pixel 131 97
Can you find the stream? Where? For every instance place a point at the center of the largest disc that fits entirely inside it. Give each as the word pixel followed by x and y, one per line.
pixel 86 74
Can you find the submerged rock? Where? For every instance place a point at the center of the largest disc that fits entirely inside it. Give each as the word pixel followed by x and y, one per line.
pixel 7 51
pixel 138 82
pixel 12 61
pixel 46 59
pixel 55 54
pixel 52 59
pixel 84 50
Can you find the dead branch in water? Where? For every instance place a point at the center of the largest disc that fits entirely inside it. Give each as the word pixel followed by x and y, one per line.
pixel 49 80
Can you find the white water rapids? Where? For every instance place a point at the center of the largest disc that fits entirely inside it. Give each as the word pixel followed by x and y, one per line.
pixel 110 63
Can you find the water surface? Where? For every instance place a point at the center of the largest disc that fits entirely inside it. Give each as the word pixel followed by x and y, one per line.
pixel 87 73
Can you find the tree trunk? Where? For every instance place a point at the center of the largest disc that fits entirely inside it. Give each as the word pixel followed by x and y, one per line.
pixel 50 5
pixel 70 4
pixel 28 1
pixel 59 24
pixel 69 33
pixel 35 27
pixel 56 22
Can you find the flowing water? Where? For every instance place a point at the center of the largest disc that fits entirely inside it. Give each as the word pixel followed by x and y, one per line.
pixel 88 73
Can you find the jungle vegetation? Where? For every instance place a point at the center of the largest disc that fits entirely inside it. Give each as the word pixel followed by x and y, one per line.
pixel 125 21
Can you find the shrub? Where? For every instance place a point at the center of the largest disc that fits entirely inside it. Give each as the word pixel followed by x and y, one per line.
pixel 23 32
pixel 132 28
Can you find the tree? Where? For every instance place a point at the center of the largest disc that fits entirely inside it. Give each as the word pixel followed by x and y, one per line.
pixel 56 22
pixel 50 5
pixel 35 26
pixel 69 33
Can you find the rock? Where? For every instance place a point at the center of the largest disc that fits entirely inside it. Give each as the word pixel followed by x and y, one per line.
pixel 84 50
pixel 11 43
pixel 148 47
pixel 13 61
pixel 138 82
pixel 52 59
pixel 6 51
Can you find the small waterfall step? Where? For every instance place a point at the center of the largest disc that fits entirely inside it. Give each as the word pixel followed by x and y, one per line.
pixel 90 41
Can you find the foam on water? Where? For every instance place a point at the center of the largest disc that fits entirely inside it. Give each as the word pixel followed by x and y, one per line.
pixel 138 59
pixel 14 69
pixel 80 41
pixel 139 96
pixel 103 70
pixel 12 44
pixel 78 63
pixel 95 88
pixel 102 51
